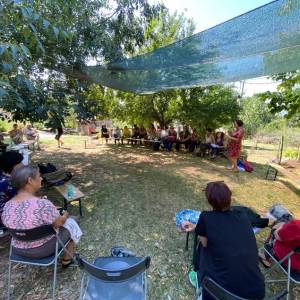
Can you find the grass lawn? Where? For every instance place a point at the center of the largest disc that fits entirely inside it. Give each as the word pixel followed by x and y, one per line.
pixel 132 195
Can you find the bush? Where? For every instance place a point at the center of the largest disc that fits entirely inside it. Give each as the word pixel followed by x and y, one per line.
pixel 290 153
pixel 5 126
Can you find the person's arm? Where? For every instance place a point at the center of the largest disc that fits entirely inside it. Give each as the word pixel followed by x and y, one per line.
pixel 58 222
pixel 201 229
pixel 203 240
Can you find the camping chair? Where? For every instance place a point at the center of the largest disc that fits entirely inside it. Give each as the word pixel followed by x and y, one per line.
pixel 111 278
pixel 219 293
pixel 291 276
pixel 33 235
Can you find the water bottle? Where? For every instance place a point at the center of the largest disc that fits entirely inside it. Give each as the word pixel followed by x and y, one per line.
pixel 70 191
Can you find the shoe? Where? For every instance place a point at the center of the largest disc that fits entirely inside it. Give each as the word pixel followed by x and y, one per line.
pixel 193 279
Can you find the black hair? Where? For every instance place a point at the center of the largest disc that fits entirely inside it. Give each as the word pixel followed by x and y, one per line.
pixel 239 122
pixel 9 159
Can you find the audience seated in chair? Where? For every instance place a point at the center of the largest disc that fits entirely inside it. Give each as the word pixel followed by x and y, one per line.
pixel 184 138
pixel 117 134
pixel 135 133
pixel 16 135
pixel 170 139
pixel 27 211
pixel 152 132
pixel 125 134
pixel 218 146
pixel 283 239
pixel 104 133
pixel 206 144
pixel 194 141
pixel 9 161
pixel 32 135
pixel 227 249
pixel 143 133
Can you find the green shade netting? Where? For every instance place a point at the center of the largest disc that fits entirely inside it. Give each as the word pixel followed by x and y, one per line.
pixel 264 41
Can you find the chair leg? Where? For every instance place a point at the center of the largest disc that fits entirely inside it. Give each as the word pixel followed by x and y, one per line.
pixel 81 285
pixel 55 271
pixel 288 280
pixel 9 280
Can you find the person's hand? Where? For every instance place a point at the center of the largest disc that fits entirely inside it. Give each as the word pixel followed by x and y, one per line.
pixel 187 226
pixel 66 215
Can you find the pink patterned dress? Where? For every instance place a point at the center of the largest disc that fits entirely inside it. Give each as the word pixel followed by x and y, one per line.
pixel 234 147
pixel 28 214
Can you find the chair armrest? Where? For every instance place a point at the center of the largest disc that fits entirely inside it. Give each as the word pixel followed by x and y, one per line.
pixel 280 295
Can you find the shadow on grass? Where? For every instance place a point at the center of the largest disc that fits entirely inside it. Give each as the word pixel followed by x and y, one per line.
pixel 132 195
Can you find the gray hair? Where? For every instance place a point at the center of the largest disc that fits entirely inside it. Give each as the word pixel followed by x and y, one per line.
pixel 20 176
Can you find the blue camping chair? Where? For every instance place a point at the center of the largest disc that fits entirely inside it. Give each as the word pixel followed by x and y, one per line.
pixel 112 278
pixel 217 292
pixel 33 235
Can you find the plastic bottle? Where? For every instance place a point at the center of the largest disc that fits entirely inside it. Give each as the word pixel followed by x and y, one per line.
pixel 70 191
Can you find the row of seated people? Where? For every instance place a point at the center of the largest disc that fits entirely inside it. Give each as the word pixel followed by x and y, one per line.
pixel 227 250
pixel 22 208
pixel 17 135
pixel 212 143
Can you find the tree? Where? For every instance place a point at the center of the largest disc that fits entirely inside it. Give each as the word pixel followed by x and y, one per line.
pixel 255 114
pixel 39 39
pixel 287 97
pixel 212 107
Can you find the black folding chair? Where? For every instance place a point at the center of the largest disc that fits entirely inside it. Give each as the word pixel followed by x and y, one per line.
pixel 33 235
pixel 217 292
pixel 112 278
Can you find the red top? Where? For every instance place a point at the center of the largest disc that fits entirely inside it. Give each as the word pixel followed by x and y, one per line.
pixel 234 147
pixel 290 236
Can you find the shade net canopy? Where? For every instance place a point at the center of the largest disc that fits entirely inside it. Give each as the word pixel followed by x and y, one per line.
pixel 264 41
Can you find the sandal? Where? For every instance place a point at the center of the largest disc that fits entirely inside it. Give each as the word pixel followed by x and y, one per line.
pixel 65 263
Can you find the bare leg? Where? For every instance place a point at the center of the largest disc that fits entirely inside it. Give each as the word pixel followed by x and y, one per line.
pixel 71 249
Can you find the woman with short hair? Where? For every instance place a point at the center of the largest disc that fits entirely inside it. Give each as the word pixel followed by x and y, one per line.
pixel 228 251
pixel 27 211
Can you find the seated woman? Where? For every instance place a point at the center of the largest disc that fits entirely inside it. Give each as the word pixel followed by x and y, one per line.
pixel 170 139
pixel 218 146
pixel 184 138
pixel 284 238
pixel 206 144
pixel 117 134
pixel 194 141
pixel 9 161
pixel 27 211
pixel 143 134
pixel 152 132
pixel 228 252
pixel 125 134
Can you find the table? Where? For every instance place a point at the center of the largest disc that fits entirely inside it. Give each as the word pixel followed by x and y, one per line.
pixel 77 195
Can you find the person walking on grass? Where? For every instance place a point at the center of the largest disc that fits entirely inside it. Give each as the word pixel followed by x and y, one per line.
pixel 58 135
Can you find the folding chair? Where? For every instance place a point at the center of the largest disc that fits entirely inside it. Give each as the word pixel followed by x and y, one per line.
pixel 33 235
pixel 111 278
pixel 291 276
pixel 219 293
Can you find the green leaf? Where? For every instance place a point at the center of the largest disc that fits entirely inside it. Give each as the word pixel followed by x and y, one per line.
pixel 46 24
pixel 26 52
pixel 32 27
pixel 3 92
pixel 29 85
pixel 6 67
pixel 14 52
pixel 24 12
pixel 56 31
pixel 2 49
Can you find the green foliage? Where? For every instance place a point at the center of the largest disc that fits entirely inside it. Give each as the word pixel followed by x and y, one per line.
pixel 291 153
pixel 287 97
pixel 255 114
pixel 5 126
pixel 41 39
pixel 208 107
